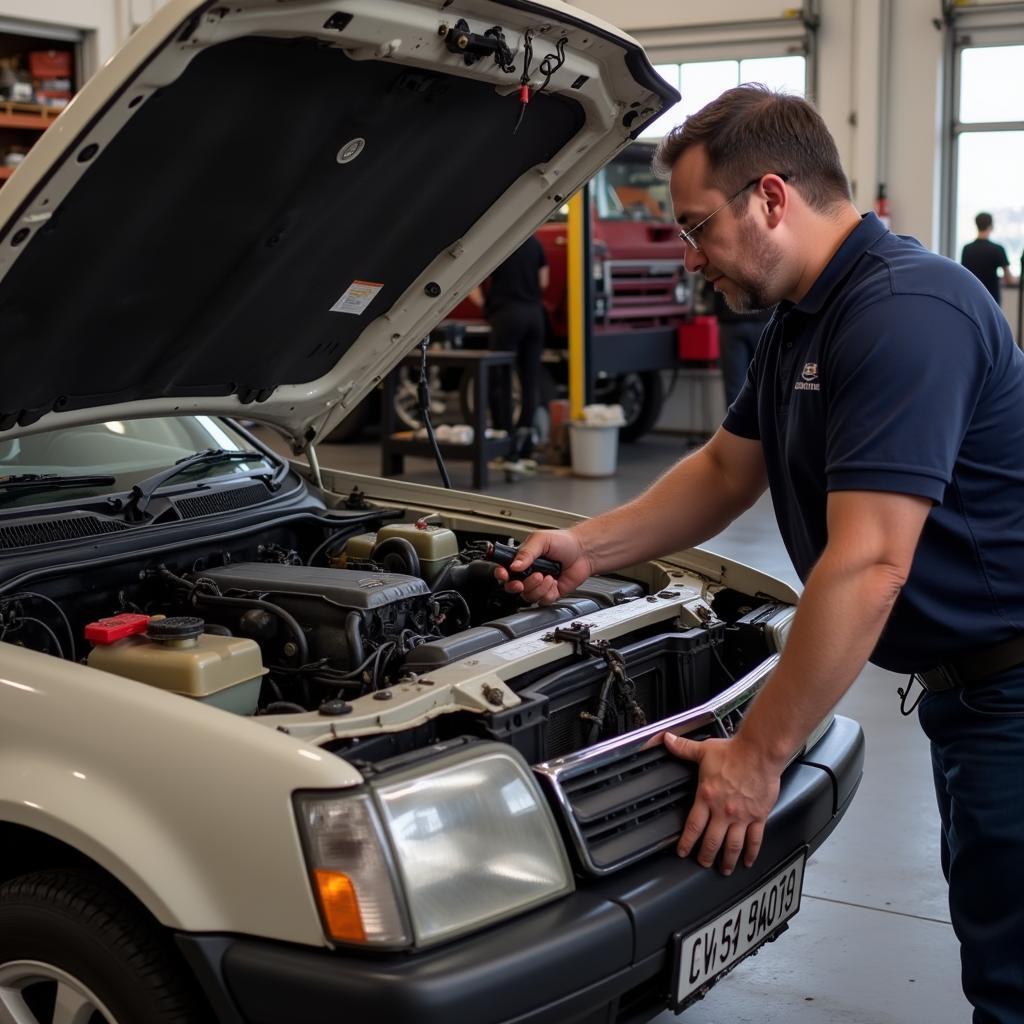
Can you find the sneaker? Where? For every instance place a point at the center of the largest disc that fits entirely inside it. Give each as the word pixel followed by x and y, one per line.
pixel 514 467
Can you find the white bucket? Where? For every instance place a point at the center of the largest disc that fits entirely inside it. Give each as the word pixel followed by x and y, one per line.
pixel 594 447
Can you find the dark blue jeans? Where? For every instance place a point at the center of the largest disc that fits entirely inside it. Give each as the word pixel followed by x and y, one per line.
pixel 977 738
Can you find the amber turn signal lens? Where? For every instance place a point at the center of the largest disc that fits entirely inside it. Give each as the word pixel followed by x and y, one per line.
pixel 340 906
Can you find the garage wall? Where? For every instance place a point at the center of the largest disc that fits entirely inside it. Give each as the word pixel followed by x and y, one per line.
pixel 103 21
pixel 107 23
pixel 670 13
pixel 862 45
pixel 852 59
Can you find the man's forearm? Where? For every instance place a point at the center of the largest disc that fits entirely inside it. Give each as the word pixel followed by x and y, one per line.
pixel 838 622
pixel 685 507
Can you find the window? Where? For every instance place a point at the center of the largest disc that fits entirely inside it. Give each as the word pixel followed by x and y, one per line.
pixel 627 189
pixel 988 140
pixel 699 82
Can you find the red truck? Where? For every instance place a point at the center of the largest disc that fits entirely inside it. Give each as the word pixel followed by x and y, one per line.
pixel 641 290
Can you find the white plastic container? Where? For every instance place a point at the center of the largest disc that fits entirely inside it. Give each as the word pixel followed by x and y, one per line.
pixel 225 671
pixel 594 448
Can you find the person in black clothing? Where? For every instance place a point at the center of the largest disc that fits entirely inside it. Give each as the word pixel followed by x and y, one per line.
pixel 512 304
pixel 738 334
pixel 984 259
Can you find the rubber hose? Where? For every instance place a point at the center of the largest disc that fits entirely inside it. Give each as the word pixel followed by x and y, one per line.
pixel 476 575
pixel 443 576
pixel 302 647
pixel 283 707
pixel 400 548
pixel 354 636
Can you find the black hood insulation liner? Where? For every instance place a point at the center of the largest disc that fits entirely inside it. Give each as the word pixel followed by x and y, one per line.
pixel 203 249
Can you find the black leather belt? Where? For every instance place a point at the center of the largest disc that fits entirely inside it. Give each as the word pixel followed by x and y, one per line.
pixel 972 669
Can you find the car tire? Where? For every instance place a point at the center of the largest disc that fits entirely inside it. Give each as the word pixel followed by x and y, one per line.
pixel 641 396
pixel 467 398
pixel 75 935
pixel 408 415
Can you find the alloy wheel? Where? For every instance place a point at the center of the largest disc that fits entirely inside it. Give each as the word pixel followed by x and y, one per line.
pixel 32 992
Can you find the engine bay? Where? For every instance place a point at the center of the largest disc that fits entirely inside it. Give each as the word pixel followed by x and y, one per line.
pixel 376 633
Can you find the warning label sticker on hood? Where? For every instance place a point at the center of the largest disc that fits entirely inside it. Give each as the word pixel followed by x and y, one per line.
pixel 357 296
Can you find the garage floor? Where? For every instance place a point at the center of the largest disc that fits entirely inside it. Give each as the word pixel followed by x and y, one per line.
pixel 872 943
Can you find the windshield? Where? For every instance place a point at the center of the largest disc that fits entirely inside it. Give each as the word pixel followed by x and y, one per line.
pixel 628 190
pixel 128 450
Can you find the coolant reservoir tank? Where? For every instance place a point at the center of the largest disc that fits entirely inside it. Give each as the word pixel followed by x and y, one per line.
pixel 358 548
pixel 175 654
pixel 436 546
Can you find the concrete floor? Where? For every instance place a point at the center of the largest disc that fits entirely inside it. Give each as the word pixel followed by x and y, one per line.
pixel 872 943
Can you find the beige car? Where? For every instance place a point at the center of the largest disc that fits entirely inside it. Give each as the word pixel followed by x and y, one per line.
pixel 274 745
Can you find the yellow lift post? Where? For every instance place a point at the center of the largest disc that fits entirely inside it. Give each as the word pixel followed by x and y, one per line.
pixel 578 295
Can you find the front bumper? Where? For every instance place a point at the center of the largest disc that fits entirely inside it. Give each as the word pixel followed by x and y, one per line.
pixel 604 954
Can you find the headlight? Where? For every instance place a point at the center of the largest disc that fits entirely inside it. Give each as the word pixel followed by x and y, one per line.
pixel 353 877
pixel 453 846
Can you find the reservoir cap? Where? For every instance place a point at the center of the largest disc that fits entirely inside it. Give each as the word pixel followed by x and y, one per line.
pixel 116 627
pixel 176 627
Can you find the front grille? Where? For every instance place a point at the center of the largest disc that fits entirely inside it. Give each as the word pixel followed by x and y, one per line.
pixel 631 807
pixel 226 499
pixel 46 530
pixel 628 797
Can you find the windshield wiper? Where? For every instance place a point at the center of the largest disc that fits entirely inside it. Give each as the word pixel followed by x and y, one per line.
pixel 142 492
pixel 25 483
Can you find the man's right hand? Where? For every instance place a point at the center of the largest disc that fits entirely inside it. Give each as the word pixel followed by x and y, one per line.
pixel 560 545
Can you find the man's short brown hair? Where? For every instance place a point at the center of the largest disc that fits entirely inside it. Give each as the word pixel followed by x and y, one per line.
pixel 983 222
pixel 752 130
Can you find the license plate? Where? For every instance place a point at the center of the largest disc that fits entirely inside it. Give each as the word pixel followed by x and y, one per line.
pixel 709 951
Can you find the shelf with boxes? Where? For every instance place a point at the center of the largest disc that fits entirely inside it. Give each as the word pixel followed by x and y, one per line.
pixel 36 83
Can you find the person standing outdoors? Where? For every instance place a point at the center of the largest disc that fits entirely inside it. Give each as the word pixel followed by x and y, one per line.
pixel 511 301
pixel 883 412
pixel 984 258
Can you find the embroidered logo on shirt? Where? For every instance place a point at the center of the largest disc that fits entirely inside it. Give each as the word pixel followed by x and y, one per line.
pixel 810 379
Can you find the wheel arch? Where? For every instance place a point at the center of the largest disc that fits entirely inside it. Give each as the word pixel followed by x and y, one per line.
pixel 24 849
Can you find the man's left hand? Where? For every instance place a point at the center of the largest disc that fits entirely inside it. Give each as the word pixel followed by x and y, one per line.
pixel 735 792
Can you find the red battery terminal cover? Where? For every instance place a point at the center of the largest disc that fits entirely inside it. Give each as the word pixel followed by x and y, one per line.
pixel 107 631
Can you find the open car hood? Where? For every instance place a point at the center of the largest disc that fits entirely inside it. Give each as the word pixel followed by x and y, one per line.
pixel 258 209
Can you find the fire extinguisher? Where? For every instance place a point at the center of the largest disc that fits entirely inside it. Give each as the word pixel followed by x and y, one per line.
pixel 882 207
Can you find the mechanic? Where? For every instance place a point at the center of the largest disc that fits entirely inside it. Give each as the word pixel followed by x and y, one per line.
pixel 512 302
pixel 883 411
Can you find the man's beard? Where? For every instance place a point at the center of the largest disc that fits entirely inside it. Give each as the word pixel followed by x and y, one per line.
pixel 755 290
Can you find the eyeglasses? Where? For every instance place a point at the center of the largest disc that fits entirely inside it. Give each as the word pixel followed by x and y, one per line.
pixel 690 237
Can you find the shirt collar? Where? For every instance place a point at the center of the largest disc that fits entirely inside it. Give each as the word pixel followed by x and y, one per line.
pixel 862 238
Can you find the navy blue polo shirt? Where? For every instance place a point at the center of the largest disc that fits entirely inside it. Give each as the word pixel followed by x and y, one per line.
pixel 897 372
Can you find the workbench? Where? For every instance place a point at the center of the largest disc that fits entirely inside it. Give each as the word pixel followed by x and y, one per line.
pixel 479 362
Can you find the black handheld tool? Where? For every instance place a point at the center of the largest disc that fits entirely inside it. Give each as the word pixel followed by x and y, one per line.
pixel 505 554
